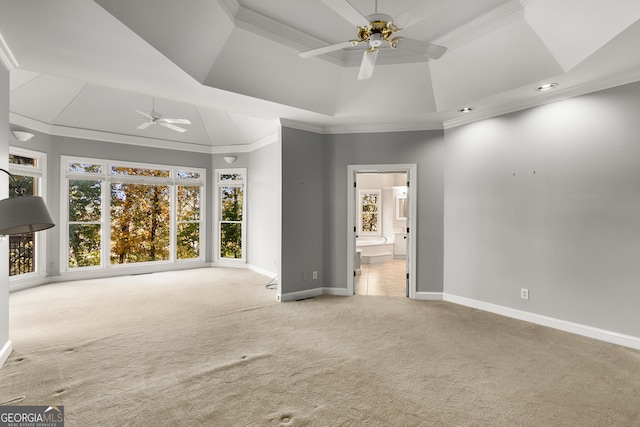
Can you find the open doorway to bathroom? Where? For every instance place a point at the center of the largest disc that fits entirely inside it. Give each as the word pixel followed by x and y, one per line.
pixel 381 246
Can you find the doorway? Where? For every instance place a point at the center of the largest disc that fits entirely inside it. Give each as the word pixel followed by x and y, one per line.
pixel 382 217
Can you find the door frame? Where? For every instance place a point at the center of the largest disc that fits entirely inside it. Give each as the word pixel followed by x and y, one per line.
pixel 412 173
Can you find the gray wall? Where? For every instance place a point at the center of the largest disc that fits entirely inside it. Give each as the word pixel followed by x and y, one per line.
pixel 264 207
pixel 424 148
pixel 302 210
pixel 4 191
pixel 549 199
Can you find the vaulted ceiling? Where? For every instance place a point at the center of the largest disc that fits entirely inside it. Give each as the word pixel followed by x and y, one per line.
pixel 231 67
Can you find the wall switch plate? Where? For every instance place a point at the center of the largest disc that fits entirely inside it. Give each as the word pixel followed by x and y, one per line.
pixel 524 293
pixel 315 275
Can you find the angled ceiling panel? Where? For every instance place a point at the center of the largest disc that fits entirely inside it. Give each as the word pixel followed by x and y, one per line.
pixel 393 91
pixel 258 67
pixel 44 98
pixel 575 29
pixel 190 33
pixel 253 129
pixel 111 110
pixel 504 59
pixel 220 128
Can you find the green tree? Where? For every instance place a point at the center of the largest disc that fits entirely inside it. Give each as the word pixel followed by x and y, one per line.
pixel 231 225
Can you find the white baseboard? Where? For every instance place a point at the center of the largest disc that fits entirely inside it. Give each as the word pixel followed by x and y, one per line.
pixel 341 292
pixel 429 296
pixel 5 352
pixel 264 272
pixel 563 325
pixel 295 296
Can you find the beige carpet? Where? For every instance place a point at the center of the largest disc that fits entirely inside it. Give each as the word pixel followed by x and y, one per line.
pixel 212 347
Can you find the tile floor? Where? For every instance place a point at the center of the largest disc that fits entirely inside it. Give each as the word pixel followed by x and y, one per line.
pixel 388 279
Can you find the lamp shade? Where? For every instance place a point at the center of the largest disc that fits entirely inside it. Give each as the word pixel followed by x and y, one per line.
pixel 24 214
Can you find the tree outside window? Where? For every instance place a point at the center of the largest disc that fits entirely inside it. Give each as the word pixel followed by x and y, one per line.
pixel 127 213
pixel 231 213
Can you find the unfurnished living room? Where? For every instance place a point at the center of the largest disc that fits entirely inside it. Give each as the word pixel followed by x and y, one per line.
pixel 320 212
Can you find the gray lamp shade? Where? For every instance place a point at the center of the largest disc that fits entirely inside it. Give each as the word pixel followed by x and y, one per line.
pixel 24 214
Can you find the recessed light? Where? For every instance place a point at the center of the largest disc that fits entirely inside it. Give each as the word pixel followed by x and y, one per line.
pixel 465 110
pixel 547 86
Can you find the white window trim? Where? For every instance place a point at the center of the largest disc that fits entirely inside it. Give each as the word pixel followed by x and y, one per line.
pixel 218 260
pixel 107 177
pixel 40 172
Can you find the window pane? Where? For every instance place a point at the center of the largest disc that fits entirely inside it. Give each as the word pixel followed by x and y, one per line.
pixel 231 203
pixel 188 175
pixel 21 254
pixel 188 203
pixel 84 245
pixel 370 199
pixel 20 160
pixel 85 167
pixel 119 170
pixel 84 200
pixel 370 222
pixel 140 223
pixel 231 177
pixel 188 240
pixel 26 183
pixel 230 240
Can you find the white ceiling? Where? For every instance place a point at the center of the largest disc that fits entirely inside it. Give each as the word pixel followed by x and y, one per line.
pixel 81 68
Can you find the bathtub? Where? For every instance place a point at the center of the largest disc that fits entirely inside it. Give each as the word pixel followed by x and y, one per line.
pixel 374 250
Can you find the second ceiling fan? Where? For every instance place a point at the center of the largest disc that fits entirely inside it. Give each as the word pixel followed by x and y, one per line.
pixel 376 29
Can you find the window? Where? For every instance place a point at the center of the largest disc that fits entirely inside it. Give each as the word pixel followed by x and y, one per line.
pixel 121 213
pixel 230 213
pixel 26 251
pixel 369 212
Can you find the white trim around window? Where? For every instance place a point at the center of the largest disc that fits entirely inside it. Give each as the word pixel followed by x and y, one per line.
pixel 229 178
pixel 106 172
pixel 39 173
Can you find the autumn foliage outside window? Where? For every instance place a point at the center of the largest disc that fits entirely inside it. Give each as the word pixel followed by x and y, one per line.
pixel 153 214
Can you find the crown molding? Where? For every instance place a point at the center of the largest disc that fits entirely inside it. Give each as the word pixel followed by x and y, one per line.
pixel 230 8
pixel 363 128
pixel 6 56
pixel 556 95
pixel 293 124
pixel 384 127
pixel 246 148
pixel 70 132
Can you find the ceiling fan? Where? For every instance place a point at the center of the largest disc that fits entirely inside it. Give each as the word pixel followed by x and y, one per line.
pixel 376 29
pixel 154 118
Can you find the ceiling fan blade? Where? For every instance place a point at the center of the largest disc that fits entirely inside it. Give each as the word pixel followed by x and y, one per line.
pixel 326 49
pixel 368 62
pixel 418 47
pixel 176 121
pixel 419 12
pixel 172 127
pixel 147 115
pixel 145 125
pixel 348 12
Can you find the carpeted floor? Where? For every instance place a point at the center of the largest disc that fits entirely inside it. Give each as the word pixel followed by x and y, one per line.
pixel 212 347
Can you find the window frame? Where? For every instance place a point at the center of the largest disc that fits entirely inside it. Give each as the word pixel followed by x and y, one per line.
pixel 173 181
pixel 38 172
pixel 218 213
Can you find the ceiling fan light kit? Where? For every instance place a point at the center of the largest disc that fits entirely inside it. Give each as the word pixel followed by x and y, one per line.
pixel 379 28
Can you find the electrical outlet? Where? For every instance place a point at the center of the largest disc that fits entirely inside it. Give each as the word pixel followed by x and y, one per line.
pixel 524 293
pixel 315 275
